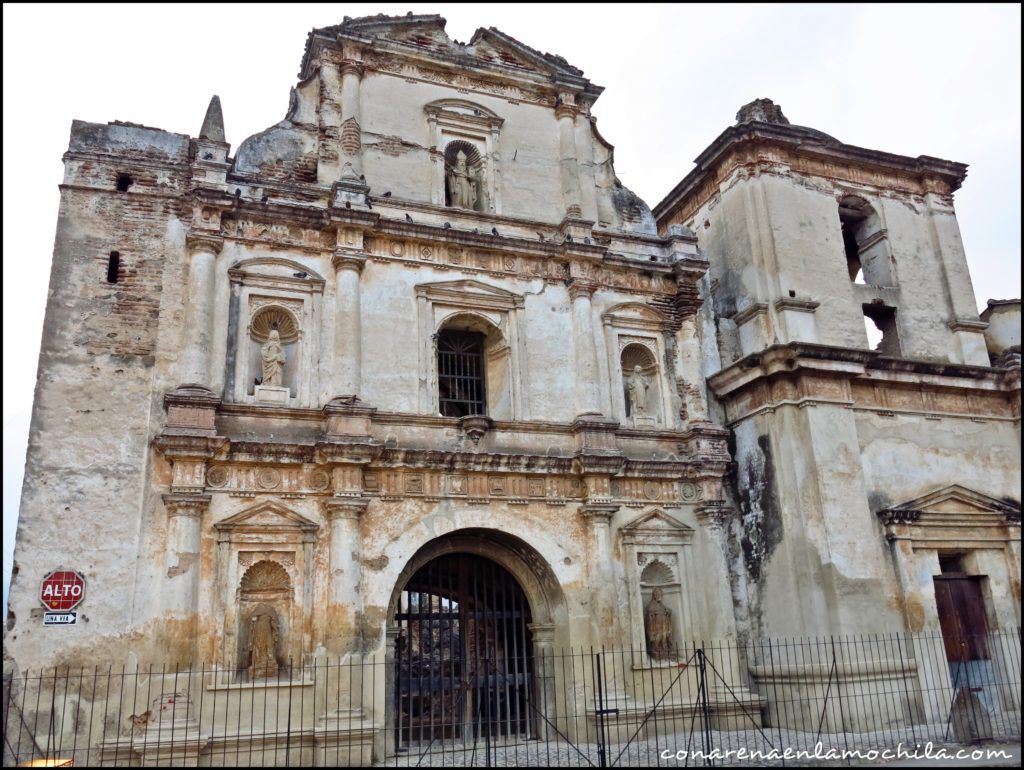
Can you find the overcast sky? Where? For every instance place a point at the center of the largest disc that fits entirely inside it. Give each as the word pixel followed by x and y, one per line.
pixel 940 80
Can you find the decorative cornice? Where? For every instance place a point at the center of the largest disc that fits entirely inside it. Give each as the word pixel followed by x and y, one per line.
pixel 578 289
pixel 967 325
pixel 750 311
pixel 800 304
pixel 893 516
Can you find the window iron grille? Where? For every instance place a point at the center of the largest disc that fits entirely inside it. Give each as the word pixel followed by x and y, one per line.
pixel 460 368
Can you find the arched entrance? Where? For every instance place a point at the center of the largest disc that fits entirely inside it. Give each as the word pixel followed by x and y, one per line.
pixel 464 663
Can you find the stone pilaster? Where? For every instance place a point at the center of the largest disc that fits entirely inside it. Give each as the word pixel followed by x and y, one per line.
pixel 586 396
pixel 344 514
pixel 194 365
pixel 180 593
pixel 565 114
pixel 348 265
pixel 351 127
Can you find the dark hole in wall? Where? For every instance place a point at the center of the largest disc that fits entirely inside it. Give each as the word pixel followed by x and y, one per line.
pixel 883 318
pixel 113 266
pixel 124 181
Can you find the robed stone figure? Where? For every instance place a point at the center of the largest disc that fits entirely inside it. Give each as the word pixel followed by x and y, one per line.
pixel 272 355
pixel 461 184
pixel 638 385
pixel 263 638
pixel 658 627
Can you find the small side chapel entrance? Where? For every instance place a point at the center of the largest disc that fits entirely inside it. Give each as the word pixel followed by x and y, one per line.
pixel 962 618
pixel 463 654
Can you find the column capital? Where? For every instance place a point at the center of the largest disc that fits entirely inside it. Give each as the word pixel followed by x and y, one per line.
pixel 566 111
pixel 348 260
pixel 542 633
pixel 352 67
pixel 599 512
pixel 200 241
pixel 715 514
pixel 345 507
pixel 186 504
pixel 578 289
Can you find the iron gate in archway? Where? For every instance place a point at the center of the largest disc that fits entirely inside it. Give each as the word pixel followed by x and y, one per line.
pixel 463 655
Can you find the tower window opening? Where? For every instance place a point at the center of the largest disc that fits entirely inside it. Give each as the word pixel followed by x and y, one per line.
pixel 124 181
pixel 113 267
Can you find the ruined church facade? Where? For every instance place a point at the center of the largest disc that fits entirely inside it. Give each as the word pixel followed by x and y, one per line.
pixel 416 344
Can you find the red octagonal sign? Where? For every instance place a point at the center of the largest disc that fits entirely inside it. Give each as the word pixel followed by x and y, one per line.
pixel 63 590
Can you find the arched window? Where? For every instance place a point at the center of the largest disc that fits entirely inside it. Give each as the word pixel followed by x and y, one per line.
pixel 464 174
pixel 472 368
pixel 864 242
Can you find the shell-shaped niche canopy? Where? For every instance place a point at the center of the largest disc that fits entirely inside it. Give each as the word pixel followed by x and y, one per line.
pixel 265 576
pixel 657 573
pixel 273 318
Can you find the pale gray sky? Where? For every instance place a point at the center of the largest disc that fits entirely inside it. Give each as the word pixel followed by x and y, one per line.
pixel 940 80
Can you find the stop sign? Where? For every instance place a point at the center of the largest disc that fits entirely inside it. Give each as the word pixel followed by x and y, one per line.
pixel 63 590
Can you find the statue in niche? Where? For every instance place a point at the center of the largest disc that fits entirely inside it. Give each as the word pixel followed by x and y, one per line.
pixel 658 627
pixel 461 183
pixel 263 637
pixel 638 384
pixel 272 354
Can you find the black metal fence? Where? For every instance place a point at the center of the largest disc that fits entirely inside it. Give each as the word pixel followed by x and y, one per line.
pixel 837 699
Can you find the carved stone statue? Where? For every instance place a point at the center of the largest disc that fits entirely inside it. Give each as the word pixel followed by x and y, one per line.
pixel 263 638
pixel 638 385
pixel 461 184
pixel 272 354
pixel 658 627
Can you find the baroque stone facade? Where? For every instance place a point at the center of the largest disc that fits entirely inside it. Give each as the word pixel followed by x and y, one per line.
pixel 422 316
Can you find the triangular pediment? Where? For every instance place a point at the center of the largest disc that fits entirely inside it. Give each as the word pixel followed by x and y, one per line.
pixel 268 516
pixel 656 526
pixel 469 293
pixel 956 499
pixel 506 50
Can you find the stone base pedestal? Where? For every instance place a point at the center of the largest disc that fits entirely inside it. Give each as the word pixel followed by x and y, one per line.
pixel 267 394
pixel 645 423
pixel 344 738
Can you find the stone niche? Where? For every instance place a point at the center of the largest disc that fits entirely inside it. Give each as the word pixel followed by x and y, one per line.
pixel 268 295
pixel 657 553
pixel 635 337
pixel 457 127
pixel 264 557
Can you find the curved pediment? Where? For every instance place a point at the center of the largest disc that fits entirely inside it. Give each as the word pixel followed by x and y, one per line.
pixel 276 267
pixel 463 109
pixel 634 314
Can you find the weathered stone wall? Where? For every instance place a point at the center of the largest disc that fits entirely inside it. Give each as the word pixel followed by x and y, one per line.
pixel 86 495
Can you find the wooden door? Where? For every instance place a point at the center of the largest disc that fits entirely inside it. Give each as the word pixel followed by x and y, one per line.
pixel 962 617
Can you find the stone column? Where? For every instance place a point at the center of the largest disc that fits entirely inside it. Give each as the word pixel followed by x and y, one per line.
pixel 194 364
pixel 351 129
pixel 184 530
pixel 344 514
pixel 586 394
pixel 599 515
pixel 565 114
pixel 543 637
pixel 347 323
pixel 585 167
